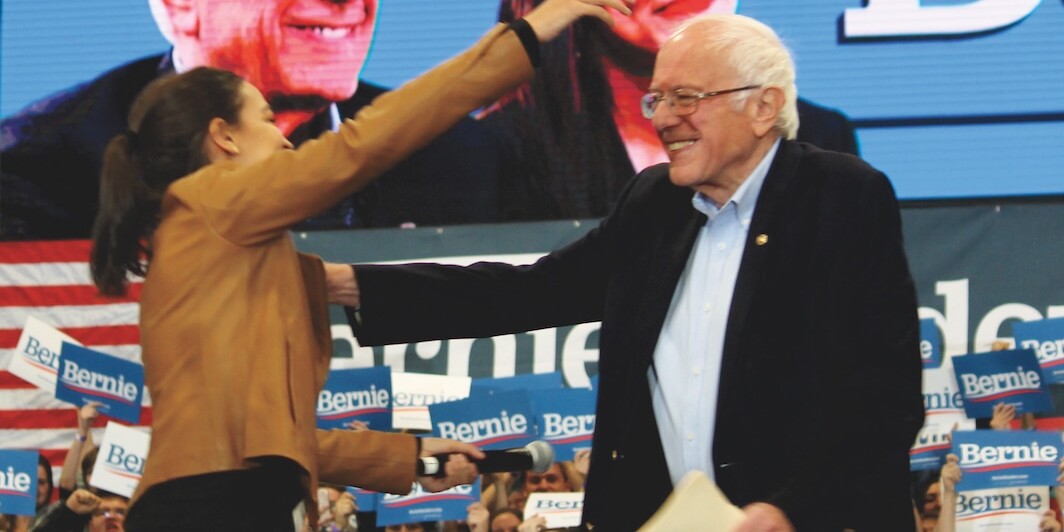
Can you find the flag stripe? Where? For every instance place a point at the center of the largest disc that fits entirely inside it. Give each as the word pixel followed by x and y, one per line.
pixel 72 316
pixel 46 251
pixel 34 296
pixel 95 337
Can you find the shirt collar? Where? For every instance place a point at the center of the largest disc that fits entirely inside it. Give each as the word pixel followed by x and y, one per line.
pixel 745 197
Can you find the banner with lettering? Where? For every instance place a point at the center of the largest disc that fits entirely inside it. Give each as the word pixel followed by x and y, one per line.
pixel 365 500
pixel 420 505
pixel 412 393
pixel 36 358
pixel 120 462
pixel 1046 339
pixel 1001 510
pixel 930 449
pixel 529 382
pixel 18 482
pixel 562 510
pixel 89 375
pixel 930 344
pixel 943 402
pixel 356 395
pixel 1004 458
pixel 565 419
pixel 1011 377
pixel 504 422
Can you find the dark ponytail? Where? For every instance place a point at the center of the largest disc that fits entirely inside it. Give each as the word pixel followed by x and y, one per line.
pixel 168 126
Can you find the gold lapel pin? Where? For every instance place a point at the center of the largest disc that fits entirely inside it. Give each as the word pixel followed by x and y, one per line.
pixel 761 239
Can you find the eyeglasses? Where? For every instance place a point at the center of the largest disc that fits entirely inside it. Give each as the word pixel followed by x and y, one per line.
pixel 681 102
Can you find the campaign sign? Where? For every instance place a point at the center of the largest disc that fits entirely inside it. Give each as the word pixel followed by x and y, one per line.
pixel 86 375
pixel 36 357
pixel 356 395
pixel 1010 377
pixel 412 393
pixel 120 462
pixel 562 510
pixel 565 419
pixel 930 344
pixel 420 505
pixel 930 449
pixel 943 403
pixel 1001 510
pixel 365 500
pixel 503 422
pixel 999 459
pixel 531 381
pixel 1046 339
pixel 18 482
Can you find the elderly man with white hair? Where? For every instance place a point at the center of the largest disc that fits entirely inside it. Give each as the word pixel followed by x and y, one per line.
pixel 758 315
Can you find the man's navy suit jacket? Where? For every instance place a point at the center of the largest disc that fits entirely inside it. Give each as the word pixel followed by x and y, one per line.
pixel 52 152
pixel 819 398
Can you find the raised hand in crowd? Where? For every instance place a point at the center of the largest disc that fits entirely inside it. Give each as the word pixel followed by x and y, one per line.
pixel 82 444
pixel 1049 522
pixel 582 461
pixel 477 517
pixel 495 490
pixel 82 501
pixel 1003 416
pixel 533 524
pixel 343 509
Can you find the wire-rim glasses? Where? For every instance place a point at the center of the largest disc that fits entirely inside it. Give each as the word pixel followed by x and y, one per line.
pixel 681 102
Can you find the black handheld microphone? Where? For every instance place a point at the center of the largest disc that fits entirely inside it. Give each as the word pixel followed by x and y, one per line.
pixel 536 456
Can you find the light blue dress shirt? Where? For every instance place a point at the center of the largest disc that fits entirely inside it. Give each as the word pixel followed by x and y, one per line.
pixel 686 369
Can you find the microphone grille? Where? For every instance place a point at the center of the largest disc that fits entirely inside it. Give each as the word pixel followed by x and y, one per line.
pixel 542 455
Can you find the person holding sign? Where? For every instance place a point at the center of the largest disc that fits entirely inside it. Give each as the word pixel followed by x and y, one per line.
pixel 233 322
pixel 758 316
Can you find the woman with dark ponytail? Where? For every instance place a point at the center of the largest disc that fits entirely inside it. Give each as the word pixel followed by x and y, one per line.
pixel 197 197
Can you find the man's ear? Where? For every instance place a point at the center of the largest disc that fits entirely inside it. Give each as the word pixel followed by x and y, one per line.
pixel 176 18
pixel 220 141
pixel 766 107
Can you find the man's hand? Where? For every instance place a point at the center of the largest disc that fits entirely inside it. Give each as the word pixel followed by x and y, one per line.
pixel 764 517
pixel 341 285
pixel 951 473
pixel 1049 522
pixel 458 468
pixel 82 502
pixel 344 507
pixel 533 524
pixel 87 415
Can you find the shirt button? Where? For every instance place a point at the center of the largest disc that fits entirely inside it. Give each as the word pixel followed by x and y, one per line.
pixel 706 308
pixel 690 436
pixel 721 246
pixel 695 370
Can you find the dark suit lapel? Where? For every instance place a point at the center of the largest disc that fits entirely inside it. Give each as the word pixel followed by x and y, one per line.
pixel 670 253
pixel 780 176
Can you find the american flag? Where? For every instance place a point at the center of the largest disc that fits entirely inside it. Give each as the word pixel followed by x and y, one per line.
pixel 51 281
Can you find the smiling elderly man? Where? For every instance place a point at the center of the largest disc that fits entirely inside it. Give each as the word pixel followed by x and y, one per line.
pixel 758 316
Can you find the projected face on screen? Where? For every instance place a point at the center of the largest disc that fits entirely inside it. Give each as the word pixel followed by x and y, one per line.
pixel 652 21
pixel 310 49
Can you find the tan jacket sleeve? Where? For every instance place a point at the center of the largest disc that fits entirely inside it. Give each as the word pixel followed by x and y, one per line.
pixel 378 461
pixel 250 204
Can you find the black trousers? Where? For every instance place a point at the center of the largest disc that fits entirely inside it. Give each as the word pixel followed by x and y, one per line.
pixel 258 499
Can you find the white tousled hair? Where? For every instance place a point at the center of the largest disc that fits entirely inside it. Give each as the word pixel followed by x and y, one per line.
pixel 756 55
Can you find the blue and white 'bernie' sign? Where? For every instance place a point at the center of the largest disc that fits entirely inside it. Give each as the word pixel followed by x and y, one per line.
pixel 1046 339
pixel 565 419
pixel 420 505
pixel 356 395
pixel 1010 377
pixel 930 344
pixel 930 449
pixel 87 375
pixel 503 422
pixel 1002 509
pixel 365 500
pixel 18 482
pixel 999 459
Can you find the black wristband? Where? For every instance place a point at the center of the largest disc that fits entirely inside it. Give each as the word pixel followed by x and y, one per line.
pixel 528 40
